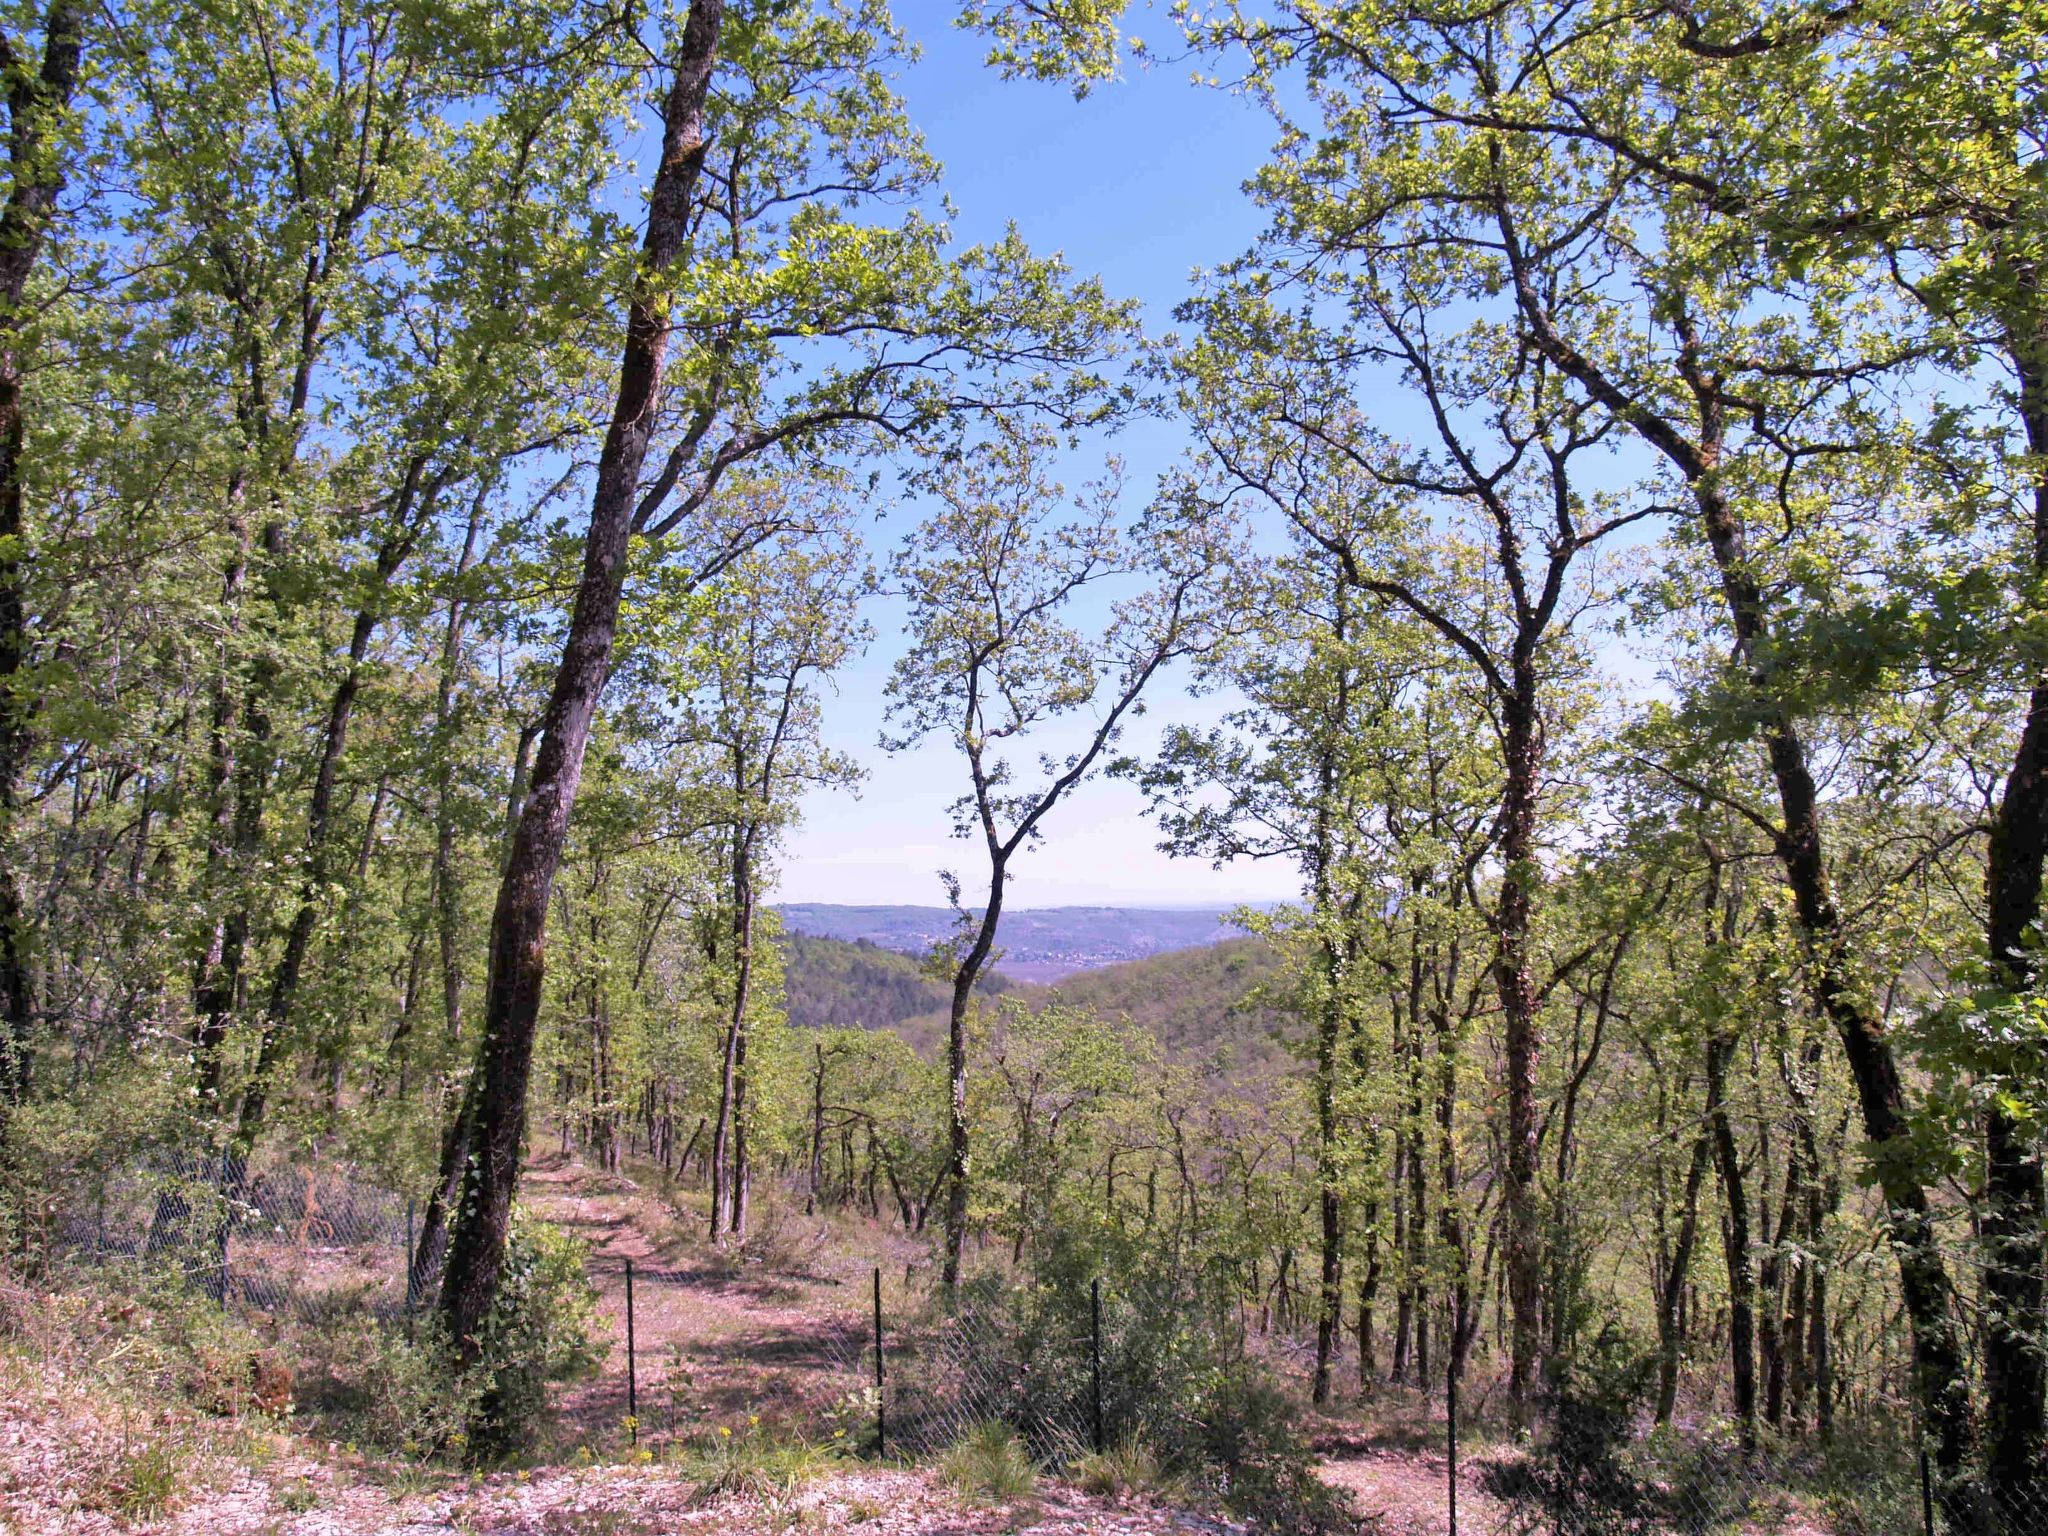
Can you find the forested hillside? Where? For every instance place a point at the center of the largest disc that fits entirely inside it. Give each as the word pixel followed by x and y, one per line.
pixel 833 984
pixel 1555 489
pixel 1223 1002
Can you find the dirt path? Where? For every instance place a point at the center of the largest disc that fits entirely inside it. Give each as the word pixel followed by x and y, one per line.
pixel 715 1343
pixel 1408 1492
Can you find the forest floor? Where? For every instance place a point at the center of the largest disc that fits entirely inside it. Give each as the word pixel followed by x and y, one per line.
pixel 782 1339
pixel 744 1346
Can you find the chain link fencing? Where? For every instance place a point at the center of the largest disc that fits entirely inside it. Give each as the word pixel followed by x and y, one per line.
pixel 277 1237
pixel 1561 1475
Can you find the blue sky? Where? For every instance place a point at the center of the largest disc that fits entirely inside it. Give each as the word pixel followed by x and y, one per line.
pixel 1139 183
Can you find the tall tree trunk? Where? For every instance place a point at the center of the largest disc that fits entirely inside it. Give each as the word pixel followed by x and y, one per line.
pixel 1940 1381
pixel 512 991
pixel 817 1129
pixel 1522 750
pixel 36 106
pixel 415 501
pixel 1450 1218
pixel 965 975
pixel 1329 1035
pixel 2015 1368
pixel 1671 1296
pixel 725 1164
pixel 447 889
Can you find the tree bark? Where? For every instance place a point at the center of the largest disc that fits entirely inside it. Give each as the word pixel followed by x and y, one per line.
pixel 2015 1368
pixel 1735 1241
pixel 1672 1294
pixel 965 975
pixel 512 991
pixel 1941 1383
pixel 1522 750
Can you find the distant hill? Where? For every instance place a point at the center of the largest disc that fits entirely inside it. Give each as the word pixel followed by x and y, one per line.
pixel 834 983
pixel 1193 1001
pixel 1036 944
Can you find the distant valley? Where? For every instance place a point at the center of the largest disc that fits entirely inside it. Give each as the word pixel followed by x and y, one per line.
pixel 1205 1005
pixel 1037 944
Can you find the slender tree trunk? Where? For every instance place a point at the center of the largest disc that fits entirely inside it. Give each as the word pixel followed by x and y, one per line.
pixel 1735 1240
pixel 1330 1030
pixel 1522 748
pixel 1330 1282
pixel 447 888
pixel 1940 1381
pixel 1368 1296
pixel 1450 1218
pixel 725 1162
pixel 1671 1297
pixel 1404 1298
pixel 965 975
pixel 298 942
pixel 742 1160
pixel 817 1131
pixel 512 992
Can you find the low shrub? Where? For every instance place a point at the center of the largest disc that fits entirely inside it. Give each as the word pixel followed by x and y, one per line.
pixel 395 1395
pixel 1176 1375
pixel 989 1464
pixel 139 1484
pixel 1129 1467
pixel 752 1463
pixel 1245 1440
pixel 540 1330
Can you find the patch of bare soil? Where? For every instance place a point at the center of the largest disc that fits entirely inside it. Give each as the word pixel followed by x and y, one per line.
pixel 1408 1493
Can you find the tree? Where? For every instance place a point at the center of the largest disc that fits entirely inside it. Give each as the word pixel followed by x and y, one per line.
pixel 747 698
pixel 991 581
pixel 907 341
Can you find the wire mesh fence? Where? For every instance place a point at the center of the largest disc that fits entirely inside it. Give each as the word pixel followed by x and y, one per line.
pixel 278 1237
pixel 1559 1475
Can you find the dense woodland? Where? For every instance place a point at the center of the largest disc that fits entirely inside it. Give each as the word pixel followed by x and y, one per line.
pixel 438 450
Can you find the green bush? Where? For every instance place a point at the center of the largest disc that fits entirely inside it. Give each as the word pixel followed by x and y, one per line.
pixel 539 1331
pixel 1130 1466
pixel 394 1394
pixel 1176 1375
pixel 1246 1439
pixel 989 1463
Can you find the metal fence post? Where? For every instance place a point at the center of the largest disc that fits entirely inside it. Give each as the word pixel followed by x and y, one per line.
pixel 632 1366
pixel 881 1394
pixel 1095 1352
pixel 227 1223
pixel 1451 1423
pixel 408 1271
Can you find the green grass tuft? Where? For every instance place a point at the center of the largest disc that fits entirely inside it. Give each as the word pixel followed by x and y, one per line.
pixel 989 1464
